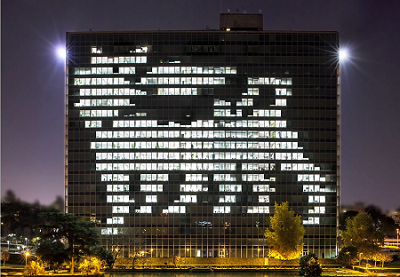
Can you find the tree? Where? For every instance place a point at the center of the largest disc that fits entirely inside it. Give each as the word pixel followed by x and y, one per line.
pixel 382 223
pixel 103 254
pixel 344 216
pixel 52 252
pixel 361 233
pixel 5 256
pixel 382 257
pixel 34 268
pixel 285 233
pixel 79 235
pixel 348 256
pixel 91 265
pixel 309 266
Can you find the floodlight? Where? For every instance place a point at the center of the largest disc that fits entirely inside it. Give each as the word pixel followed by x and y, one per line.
pixel 343 55
pixel 61 53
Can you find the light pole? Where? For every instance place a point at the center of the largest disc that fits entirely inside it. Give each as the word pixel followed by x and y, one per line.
pixel 397 241
pixel 8 246
pixel 26 242
pixel 26 257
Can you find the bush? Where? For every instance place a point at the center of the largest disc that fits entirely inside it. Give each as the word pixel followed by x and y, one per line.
pixel 347 256
pixel 91 265
pixel 309 266
pixel 34 268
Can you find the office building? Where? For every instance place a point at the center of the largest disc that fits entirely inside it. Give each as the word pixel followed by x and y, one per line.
pixel 180 142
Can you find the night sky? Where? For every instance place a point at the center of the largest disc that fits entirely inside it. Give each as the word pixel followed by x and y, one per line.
pixel 33 88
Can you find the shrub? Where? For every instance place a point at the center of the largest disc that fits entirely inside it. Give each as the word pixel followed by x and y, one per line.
pixel 347 256
pixel 309 266
pixel 91 265
pixel 34 268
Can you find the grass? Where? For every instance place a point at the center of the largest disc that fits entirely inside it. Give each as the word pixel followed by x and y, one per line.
pixel 393 265
pixel 13 265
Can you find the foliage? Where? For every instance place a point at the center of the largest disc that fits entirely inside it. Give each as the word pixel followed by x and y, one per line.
pixel 344 216
pixel 383 257
pixel 382 223
pixel 34 268
pixel 361 233
pixel 347 256
pixel 309 266
pixel 52 252
pixel 20 218
pixel 285 233
pixel 176 259
pixel 79 235
pixel 103 254
pixel 5 256
pixel 142 261
pixel 91 265
pixel 124 262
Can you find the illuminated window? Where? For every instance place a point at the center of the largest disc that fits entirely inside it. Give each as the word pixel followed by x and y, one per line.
pixel 97 49
pixel 151 198
pixel 192 188
pixel 283 91
pixel 269 81
pixel 144 210
pixel 311 221
pixel 151 188
pixel 92 124
pixel 118 199
pixel 230 188
pixel 280 102
pixel 109 231
pixel 227 199
pixel 196 177
pixel 153 177
pixel 98 113
pixel 188 198
pixel 317 210
pixel 120 209
pixel 115 220
pixel 263 188
pixel 100 81
pixel 116 60
pixel 224 177
pixel 312 188
pixel 310 178
pixel 117 188
pixel 114 177
pixel 175 209
pixel 102 102
pixel 221 209
pixel 263 198
pixel 257 209
pixel 316 199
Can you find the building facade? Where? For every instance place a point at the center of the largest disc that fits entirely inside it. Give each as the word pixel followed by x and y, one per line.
pixel 180 142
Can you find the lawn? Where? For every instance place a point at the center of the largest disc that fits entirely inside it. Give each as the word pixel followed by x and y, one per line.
pixel 394 265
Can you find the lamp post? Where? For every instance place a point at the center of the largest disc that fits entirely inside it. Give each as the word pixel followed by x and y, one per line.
pixel 26 242
pixel 8 246
pixel 397 241
pixel 26 257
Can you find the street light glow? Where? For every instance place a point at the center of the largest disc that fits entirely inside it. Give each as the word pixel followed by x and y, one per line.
pixel 61 53
pixel 343 55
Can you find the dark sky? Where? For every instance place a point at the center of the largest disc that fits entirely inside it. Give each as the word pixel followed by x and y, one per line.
pixel 32 81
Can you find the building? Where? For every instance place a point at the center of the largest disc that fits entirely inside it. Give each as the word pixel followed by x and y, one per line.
pixel 180 142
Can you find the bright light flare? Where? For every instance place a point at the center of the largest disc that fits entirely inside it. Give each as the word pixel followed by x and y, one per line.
pixel 61 53
pixel 343 55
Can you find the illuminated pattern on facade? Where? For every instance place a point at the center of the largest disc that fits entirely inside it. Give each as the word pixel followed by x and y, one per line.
pixel 179 143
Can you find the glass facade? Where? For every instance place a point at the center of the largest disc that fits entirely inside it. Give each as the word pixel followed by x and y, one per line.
pixel 180 142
